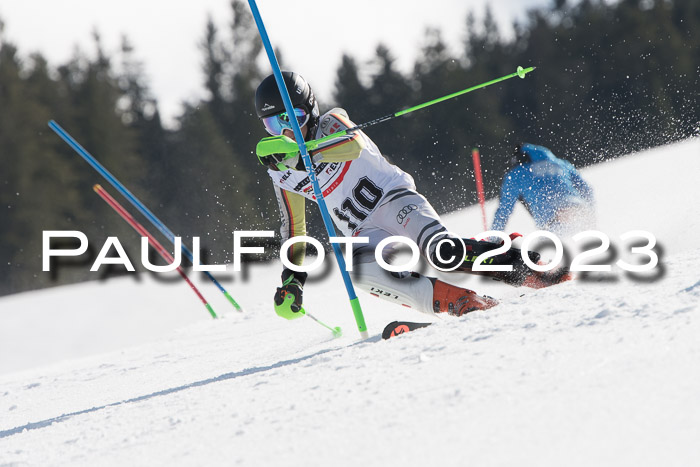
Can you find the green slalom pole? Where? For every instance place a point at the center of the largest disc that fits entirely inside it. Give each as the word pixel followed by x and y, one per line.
pixel 520 72
pixel 337 332
pixel 284 310
pixel 284 145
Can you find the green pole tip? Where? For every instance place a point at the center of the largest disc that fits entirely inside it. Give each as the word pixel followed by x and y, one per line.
pixel 337 332
pixel 232 301
pixel 521 72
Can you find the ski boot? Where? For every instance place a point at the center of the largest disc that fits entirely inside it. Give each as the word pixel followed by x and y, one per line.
pixel 457 301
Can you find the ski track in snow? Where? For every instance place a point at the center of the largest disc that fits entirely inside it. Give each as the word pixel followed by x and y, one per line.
pixel 599 371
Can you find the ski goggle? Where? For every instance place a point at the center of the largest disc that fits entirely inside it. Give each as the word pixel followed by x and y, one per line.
pixel 278 123
pixel 519 156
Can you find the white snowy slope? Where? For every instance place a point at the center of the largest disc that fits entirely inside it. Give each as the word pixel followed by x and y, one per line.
pixel 601 371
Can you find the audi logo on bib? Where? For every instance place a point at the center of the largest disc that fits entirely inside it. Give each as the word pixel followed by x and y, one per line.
pixel 404 212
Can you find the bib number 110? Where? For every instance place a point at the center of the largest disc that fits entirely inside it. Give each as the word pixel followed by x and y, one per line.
pixel 355 209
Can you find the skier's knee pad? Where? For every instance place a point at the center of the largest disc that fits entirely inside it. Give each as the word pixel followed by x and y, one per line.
pixel 403 288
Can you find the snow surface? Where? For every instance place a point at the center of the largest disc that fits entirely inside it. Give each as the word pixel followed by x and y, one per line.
pixel 604 370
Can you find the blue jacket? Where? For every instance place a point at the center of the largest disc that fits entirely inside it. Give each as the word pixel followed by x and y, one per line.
pixel 545 185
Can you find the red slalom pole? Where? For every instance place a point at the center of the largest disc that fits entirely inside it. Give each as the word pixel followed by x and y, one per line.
pixel 114 204
pixel 479 185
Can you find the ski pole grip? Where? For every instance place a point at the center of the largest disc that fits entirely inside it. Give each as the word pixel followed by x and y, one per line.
pixel 284 310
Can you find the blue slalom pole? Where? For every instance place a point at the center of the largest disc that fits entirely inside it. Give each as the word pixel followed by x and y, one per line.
pixel 132 199
pixel 354 301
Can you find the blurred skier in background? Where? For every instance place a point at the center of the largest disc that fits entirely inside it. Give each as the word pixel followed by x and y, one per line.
pixel 366 197
pixel 552 190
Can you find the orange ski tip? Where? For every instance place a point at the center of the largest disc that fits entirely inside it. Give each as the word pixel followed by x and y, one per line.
pixel 97 187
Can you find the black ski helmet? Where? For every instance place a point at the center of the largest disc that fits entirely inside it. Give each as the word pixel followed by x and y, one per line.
pixel 269 102
pixel 520 156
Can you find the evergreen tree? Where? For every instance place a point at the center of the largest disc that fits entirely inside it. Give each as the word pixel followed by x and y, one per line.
pixel 348 89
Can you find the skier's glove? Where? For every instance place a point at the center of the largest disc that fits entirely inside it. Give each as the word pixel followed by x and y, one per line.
pixel 276 145
pixel 289 297
pixel 278 153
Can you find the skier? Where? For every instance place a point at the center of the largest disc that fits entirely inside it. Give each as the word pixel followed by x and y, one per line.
pixel 554 193
pixel 367 197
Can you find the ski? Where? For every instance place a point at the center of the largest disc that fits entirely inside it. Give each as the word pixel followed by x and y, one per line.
pixel 396 328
